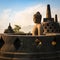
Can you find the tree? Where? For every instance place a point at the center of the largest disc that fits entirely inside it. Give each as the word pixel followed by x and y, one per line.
pixel 17 28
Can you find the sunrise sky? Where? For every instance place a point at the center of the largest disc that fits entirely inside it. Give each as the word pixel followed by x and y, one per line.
pixel 21 12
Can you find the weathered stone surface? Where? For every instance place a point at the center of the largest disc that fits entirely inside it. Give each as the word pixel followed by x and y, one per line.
pixel 38 47
pixel 51 27
pixel 1 42
pixel 48 12
pixel 56 19
pixel 37 30
pixel 48 15
pixel 28 43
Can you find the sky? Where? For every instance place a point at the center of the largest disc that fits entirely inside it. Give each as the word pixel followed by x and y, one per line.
pixel 21 12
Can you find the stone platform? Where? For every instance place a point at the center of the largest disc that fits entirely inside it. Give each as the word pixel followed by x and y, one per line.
pixel 27 47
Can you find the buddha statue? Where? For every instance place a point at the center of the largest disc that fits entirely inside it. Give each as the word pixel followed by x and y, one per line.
pixel 38 29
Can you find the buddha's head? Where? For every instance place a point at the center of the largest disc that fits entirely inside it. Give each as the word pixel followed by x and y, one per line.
pixel 37 18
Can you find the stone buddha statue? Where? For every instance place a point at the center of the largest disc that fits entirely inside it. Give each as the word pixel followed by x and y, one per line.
pixel 38 29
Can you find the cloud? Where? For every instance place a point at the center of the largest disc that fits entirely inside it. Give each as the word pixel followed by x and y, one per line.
pixel 4 18
pixel 24 17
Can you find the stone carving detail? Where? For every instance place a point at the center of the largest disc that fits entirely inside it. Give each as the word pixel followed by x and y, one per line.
pixel 17 43
pixel 1 42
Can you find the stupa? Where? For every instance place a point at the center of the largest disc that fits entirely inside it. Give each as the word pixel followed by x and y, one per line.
pixel 9 29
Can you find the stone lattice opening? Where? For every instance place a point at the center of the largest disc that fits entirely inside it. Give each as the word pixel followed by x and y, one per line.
pixel 45 27
pixel 48 30
pixel 50 27
pixel 47 24
pixel 52 24
pixel 1 42
pixel 52 30
pixel 17 43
